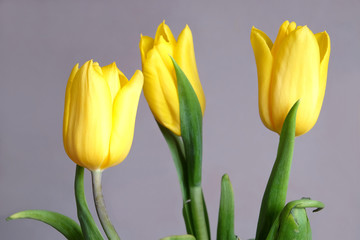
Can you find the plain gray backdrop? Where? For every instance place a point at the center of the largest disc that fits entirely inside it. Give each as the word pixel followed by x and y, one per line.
pixel 40 42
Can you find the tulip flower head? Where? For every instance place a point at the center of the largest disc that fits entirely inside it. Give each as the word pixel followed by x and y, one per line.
pixel 294 67
pixel 160 85
pixel 99 115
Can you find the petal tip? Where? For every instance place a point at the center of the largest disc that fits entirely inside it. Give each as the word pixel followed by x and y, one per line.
pixel 138 75
pixel 113 65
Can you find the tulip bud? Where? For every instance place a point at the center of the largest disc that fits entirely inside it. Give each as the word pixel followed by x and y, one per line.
pixel 293 68
pixel 99 115
pixel 293 222
pixel 296 226
pixel 160 85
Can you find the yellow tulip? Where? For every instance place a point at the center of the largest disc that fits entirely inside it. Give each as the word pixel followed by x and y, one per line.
pixel 294 67
pixel 160 86
pixel 99 115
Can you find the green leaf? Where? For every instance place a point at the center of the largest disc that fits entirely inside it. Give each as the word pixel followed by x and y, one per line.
pixel 88 225
pixel 275 193
pixel 191 133
pixel 177 152
pixel 65 225
pixel 179 237
pixel 191 125
pixel 187 218
pixel 225 230
pixel 293 223
pixel 206 213
pixel 176 147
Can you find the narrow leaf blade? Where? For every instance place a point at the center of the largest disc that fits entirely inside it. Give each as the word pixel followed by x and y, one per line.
pixel 177 152
pixel 88 225
pixel 65 225
pixel 190 124
pixel 206 213
pixel 225 230
pixel 275 193
pixel 191 132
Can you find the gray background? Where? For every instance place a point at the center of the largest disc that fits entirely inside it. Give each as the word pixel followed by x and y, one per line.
pixel 40 41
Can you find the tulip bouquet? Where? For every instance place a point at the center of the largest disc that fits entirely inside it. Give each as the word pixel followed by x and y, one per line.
pixel 99 120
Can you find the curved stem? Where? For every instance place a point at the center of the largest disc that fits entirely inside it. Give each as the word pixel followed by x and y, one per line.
pixel 87 223
pixel 100 206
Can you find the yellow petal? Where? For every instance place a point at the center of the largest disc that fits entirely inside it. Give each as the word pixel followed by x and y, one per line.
pixel 160 90
pixel 323 40
pixel 164 32
pixel 111 75
pixel 90 117
pixel 295 76
pixel 262 44
pixel 67 104
pixel 146 43
pixel 184 55
pixel 285 29
pixel 124 114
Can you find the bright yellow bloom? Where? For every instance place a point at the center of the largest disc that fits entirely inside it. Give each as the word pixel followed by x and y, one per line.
pixel 99 115
pixel 160 86
pixel 294 67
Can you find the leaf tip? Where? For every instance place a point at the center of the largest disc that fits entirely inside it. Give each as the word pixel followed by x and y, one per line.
pixel 225 177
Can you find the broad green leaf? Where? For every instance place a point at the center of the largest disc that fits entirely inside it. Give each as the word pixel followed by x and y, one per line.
pixel 293 223
pixel 88 225
pixel 225 229
pixel 65 225
pixel 191 133
pixel 179 237
pixel 275 193
pixel 191 125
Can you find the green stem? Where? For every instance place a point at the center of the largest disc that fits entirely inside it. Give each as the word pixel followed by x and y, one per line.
pixel 100 206
pixel 198 213
pixel 88 225
pixel 176 147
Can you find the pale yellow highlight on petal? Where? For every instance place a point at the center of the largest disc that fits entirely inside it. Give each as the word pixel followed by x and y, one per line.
pixel 124 115
pixel 184 55
pixel 90 117
pixel 111 75
pixel 146 43
pixel 67 105
pixel 262 44
pixel 295 76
